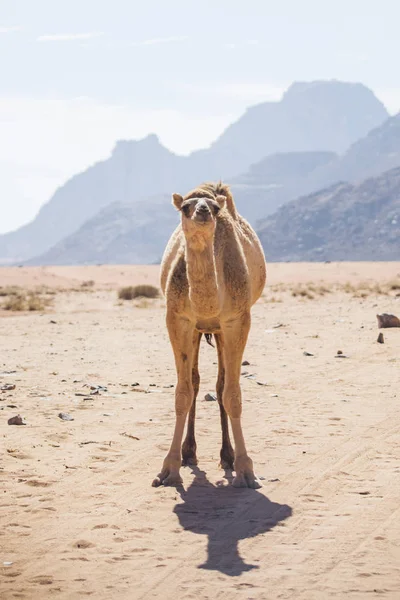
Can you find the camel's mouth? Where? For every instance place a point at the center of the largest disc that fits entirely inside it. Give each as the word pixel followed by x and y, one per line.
pixel 202 217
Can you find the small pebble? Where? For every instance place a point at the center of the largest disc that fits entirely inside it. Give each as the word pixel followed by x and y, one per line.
pixel 7 387
pixel 210 397
pixel 245 363
pixel 386 320
pixel 18 420
pixel 381 339
pixel 307 353
pixel 65 416
pixel 96 389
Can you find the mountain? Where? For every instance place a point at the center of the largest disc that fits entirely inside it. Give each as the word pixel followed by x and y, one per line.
pixel 343 222
pixel 371 155
pixel 134 170
pixel 311 117
pixel 321 115
pixel 283 177
pixel 118 234
pixel 275 180
pixel 266 186
pixel 137 233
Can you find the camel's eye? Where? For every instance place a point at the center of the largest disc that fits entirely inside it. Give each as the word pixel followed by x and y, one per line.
pixel 186 209
pixel 214 207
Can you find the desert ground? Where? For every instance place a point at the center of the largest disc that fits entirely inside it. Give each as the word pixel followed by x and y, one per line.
pixel 78 515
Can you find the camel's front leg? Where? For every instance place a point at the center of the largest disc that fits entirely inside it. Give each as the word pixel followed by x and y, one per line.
pixel 181 332
pixel 189 445
pixel 235 334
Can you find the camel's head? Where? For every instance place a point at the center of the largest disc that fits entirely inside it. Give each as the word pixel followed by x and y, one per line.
pixel 198 214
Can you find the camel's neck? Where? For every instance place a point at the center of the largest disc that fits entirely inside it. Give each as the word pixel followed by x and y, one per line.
pixel 203 286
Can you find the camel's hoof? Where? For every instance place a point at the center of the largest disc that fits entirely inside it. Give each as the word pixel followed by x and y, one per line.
pixel 246 481
pixel 244 474
pixel 169 473
pixel 172 480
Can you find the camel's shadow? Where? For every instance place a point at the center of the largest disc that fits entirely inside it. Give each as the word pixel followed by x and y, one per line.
pixel 226 515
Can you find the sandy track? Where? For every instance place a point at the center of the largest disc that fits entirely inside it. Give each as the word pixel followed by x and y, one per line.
pixel 77 514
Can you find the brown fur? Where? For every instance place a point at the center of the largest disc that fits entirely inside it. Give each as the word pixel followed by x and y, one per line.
pixel 212 190
pixel 213 271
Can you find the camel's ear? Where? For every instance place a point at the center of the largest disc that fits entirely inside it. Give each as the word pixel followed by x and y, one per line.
pixel 221 201
pixel 177 201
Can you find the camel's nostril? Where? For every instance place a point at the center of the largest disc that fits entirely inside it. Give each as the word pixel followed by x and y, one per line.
pixel 203 209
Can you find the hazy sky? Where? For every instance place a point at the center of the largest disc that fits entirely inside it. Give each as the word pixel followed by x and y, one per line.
pixel 78 75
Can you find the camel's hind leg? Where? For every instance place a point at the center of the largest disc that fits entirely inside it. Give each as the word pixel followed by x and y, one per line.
pixel 189 445
pixel 226 453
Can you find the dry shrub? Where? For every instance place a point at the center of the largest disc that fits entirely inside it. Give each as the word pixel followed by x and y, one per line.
pixel 138 291
pixel 15 303
pixel 273 299
pixel 11 290
pixel 88 284
pixel 302 292
pixel 45 290
pixel 26 301
pixel 35 302
pixel 322 290
pixel 394 285
pixel 349 288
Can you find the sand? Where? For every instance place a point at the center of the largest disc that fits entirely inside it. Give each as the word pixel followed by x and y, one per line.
pixel 78 515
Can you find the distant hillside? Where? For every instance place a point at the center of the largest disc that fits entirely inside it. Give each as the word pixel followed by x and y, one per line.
pixel 371 155
pixel 312 116
pixel 134 170
pixel 283 177
pixel 318 116
pixel 343 222
pixel 137 233
pixel 275 180
pixel 119 234
pixel 266 186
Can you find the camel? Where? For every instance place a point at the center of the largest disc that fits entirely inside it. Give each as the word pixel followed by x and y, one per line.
pixel 212 272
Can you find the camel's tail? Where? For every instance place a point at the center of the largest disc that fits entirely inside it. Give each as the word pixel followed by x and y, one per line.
pixel 208 337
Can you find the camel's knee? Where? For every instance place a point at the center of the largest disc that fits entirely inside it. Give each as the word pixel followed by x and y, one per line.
pixel 232 401
pixel 183 399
